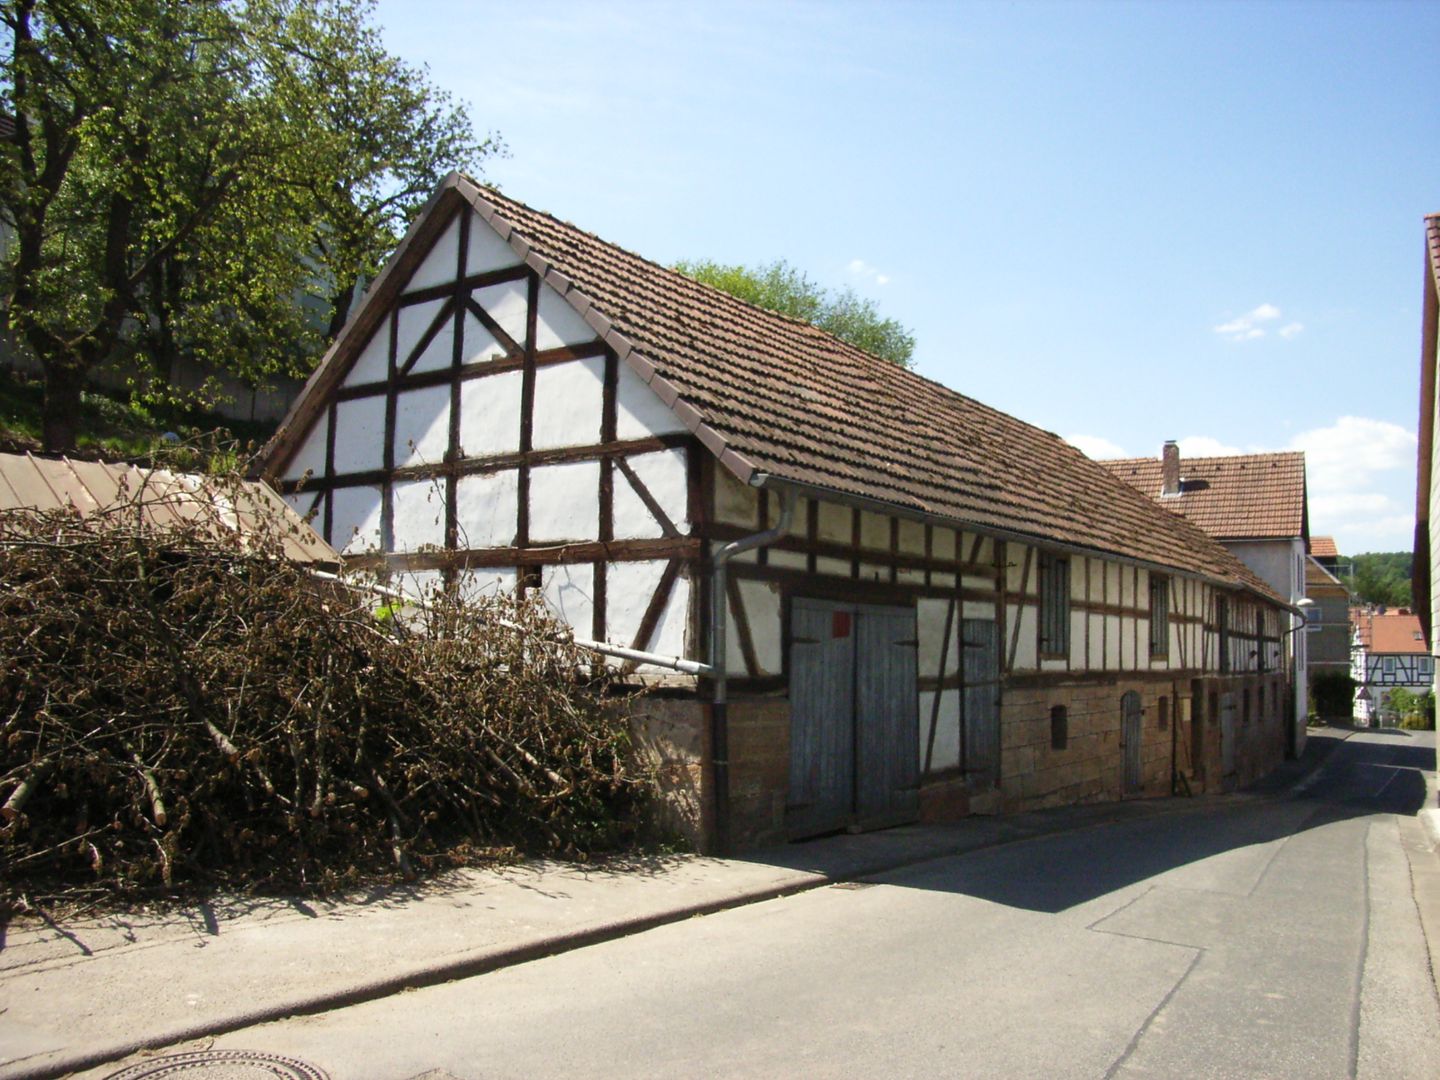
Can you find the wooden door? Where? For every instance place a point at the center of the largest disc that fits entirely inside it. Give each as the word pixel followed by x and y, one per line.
pixel 1131 726
pixel 854 728
pixel 980 708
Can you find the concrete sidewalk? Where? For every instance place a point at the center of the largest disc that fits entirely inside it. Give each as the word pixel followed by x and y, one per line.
pixel 77 995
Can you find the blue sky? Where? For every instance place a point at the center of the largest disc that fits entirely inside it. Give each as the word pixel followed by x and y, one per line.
pixel 1120 222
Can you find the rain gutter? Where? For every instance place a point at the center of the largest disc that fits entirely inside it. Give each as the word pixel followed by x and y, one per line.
pixel 719 708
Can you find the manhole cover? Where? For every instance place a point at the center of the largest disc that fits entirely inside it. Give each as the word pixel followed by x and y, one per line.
pixel 221 1065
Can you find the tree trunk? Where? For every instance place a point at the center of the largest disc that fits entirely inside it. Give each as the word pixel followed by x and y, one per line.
pixel 339 311
pixel 60 416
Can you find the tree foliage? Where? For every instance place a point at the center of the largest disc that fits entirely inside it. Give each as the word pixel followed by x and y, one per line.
pixel 1379 577
pixel 206 179
pixel 781 287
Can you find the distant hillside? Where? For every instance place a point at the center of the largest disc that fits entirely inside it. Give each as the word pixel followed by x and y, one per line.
pixel 1379 577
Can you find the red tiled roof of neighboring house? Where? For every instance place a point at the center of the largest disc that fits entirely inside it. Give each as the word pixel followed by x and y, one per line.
pixel 1241 497
pixel 1323 547
pixel 160 497
pixel 776 396
pixel 1391 632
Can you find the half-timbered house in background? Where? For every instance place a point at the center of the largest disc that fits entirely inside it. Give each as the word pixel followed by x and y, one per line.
pixel 910 605
pixel 1257 507
pixel 1389 654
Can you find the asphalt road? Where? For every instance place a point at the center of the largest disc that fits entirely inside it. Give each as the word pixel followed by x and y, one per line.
pixel 1274 937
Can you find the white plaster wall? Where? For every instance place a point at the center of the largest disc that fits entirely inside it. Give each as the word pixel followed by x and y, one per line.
pixel 1025 652
pixel 569 402
pixel 943 580
pixel 790 560
pixel 557 324
pixel 978 609
pixel 486 251
pixel 628 589
pixel 311 455
pixel 1077 639
pixel 360 434
pixel 762 607
pixel 1127 643
pixel 833 524
pixel 665 477
pixel 355 528
pixel 1095 651
pixel 373 363
pixel 943 544
pixel 930 616
pixel 439 264
pixel 412 321
pixel 506 303
pixel 824 564
pixel 569 590
pixel 421 585
pixel 912 537
pixel 874 572
pixel 874 531
pixel 422 426
pixel 907 576
pixel 565 502
pixel 490 415
pixel 479 346
pixel 737 504
pixel 419 514
pixel 486 509
pixel 640 413
pixel 1112 643
pixel 484 582
pixel 1272 560
pixel 946 750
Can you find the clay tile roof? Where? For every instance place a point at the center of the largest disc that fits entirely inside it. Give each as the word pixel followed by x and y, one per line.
pixel 162 498
pixel 1392 632
pixel 1243 497
pixel 1323 547
pixel 774 395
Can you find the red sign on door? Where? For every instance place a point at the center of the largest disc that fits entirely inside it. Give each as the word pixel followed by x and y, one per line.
pixel 840 624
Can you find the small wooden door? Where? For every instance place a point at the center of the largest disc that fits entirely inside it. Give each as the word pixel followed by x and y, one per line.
pixel 1227 735
pixel 1130 728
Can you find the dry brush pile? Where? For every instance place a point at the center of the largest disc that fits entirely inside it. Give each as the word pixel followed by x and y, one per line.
pixel 180 713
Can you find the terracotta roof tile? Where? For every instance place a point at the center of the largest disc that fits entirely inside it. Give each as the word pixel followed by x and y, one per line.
pixel 796 403
pixel 1243 497
pixel 1391 632
pixel 1323 547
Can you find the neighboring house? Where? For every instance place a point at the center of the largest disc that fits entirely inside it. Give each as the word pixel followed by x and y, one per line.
pixel 1327 624
pixel 158 498
pixel 1254 504
pixel 910 605
pixel 1425 582
pixel 1324 551
pixel 1390 654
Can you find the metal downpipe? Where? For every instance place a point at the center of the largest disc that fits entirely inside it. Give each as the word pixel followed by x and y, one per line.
pixel 719 720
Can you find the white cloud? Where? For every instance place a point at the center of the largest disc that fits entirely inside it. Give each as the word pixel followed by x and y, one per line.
pixel 1359 475
pixel 861 269
pixel 1250 326
pixel 1095 447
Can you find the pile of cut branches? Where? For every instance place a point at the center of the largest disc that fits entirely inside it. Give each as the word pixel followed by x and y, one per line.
pixel 182 712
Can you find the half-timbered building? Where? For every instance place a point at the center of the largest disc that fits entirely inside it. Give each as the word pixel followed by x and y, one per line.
pixel 1389 653
pixel 901 603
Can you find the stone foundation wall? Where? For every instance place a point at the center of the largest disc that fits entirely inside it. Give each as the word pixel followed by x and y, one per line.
pixel 671 734
pixel 759 770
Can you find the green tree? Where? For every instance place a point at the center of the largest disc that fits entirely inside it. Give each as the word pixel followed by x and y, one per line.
pixel 781 287
pixel 204 178
pixel 1380 577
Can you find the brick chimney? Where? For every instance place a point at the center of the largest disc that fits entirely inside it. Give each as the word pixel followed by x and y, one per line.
pixel 1170 468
